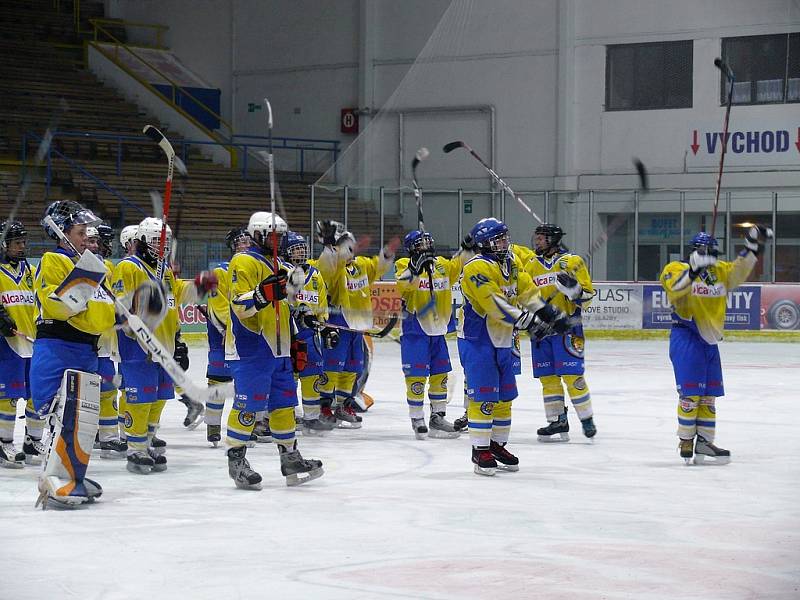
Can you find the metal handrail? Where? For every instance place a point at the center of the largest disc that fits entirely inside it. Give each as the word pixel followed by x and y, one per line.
pixel 159 29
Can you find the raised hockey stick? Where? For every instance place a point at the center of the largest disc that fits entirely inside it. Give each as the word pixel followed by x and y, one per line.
pixel 163 143
pixel 271 171
pixel 459 144
pixel 420 155
pixel 148 341
pixel 728 72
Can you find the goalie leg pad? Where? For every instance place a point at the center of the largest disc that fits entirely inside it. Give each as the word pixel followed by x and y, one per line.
pixel 72 431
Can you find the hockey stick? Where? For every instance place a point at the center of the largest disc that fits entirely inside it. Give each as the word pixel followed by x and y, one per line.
pixel 271 170
pixel 374 334
pixel 726 70
pixel 459 144
pixel 420 155
pixel 148 341
pixel 160 139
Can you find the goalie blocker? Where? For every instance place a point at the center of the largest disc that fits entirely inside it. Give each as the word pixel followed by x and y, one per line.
pixel 73 425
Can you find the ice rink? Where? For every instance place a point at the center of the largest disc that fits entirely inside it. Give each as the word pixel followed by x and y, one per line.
pixel 395 517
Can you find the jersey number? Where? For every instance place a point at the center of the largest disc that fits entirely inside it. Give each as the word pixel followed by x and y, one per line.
pixel 479 279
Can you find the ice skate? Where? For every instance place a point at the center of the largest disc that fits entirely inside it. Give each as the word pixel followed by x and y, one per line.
pixel 558 428
pixel 34 451
pixel 114 449
pixel 139 463
pixel 589 429
pixel 159 460
pixel 461 423
pixel 159 445
pixel 93 489
pixel 686 450
pixel 297 469
pixel 10 457
pixel 194 412
pixel 441 427
pixel 214 434
pixel 262 432
pixel 326 416
pixel 483 461
pixel 707 450
pixel 346 418
pixel 53 493
pixel 239 469
pixel 419 428
pixel 315 427
pixel 505 460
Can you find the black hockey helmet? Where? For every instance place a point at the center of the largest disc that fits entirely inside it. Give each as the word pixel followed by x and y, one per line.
pixel 14 230
pixel 553 234
pixel 235 237
pixel 105 234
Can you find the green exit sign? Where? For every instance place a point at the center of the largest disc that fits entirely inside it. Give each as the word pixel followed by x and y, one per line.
pixel 253 106
pixel 468 206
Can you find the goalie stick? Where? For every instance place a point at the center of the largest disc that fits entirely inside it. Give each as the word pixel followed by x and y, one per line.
pixel 728 72
pixel 150 344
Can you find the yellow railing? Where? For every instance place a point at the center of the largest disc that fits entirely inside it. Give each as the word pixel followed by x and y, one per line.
pixel 158 30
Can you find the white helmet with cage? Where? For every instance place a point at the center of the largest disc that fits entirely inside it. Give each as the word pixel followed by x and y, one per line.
pixel 260 227
pixel 149 232
pixel 127 234
pixel 91 232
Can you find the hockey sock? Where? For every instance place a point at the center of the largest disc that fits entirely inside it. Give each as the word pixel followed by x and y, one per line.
pixel 501 421
pixel 437 392
pixel 214 407
pixel 282 425
pixel 8 416
pixel 108 416
pixel 309 389
pixel 136 420
pixel 34 424
pixel 123 406
pixel 707 418
pixel 154 418
pixel 687 416
pixel 240 427
pixel 415 393
pixel 579 395
pixel 480 422
pixel 553 392
pixel 345 382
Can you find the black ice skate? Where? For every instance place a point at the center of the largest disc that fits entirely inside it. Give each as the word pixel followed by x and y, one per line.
pixel 214 434
pixel 505 460
pixel 34 451
pixel 461 423
pixel 10 457
pixel 159 445
pixel 159 460
pixel 346 418
pixel 686 450
pixel 297 469
pixel 139 462
pixel 419 428
pixel 194 412
pixel 441 427
pixel 93 489
pixel 316 426
pixel 326 416
pixel 239 469
pixel 589 429
pixel 704 449
pixel 114 449
pixel 559 427
pixel 483 461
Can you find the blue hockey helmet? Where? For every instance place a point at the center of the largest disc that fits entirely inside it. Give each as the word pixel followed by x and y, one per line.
pixel 490 235
pixel 703 240
pixel 294 248
pixel 417 241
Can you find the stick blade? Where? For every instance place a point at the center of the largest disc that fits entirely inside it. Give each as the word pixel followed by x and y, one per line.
pixel 724 67
pixel 452 146
pixel 269 113
pixel 642 172
pixel 153 133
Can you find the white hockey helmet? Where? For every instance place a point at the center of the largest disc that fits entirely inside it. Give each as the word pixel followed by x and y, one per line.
pixel 149 232
pixel 261 223
pixel 91 232
pixel 127 234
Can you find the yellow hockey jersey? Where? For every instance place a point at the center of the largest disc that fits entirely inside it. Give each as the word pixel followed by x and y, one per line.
pixel 108 339
pixel 349 283
pixel 98 316
pixel 427 312
pixel 129 274
pixel 16 295
pixel 700 304
pixel 493 296
pixel 314 293
pixel 543 272
pixel 248 326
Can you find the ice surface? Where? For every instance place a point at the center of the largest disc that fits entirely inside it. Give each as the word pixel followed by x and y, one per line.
pixel 395 517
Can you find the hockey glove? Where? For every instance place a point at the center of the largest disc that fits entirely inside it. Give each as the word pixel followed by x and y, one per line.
pixel 299 354
pixel 420 263
pixel 8 328
pixel 698 262
pixel 149 303
pixel 756 237
pixel 549 320
pixel 328 232
pixel 468 244
pixel 524 321
pixel 271 289
pixel 568 285
pixel 181 354
pixel 206 282
pixel 304 317
pixel 330 337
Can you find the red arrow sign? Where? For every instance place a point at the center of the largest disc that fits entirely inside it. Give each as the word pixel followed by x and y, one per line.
pixel 797 143
pixel 695 145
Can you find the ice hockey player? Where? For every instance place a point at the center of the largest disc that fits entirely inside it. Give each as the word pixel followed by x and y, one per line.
pixel 498 297
pixel 127 243
pixel 349 279
pixel 310 312
pixel 16 336
pixel 558 359
pixel 697 289
pixel 72 311
pixel 147 385
pixel 424 281
pixel 259 345
pixel 126 237
pixel 217 316
pixel 99 240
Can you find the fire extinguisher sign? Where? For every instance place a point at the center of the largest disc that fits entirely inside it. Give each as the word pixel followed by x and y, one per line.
pixel 349 121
